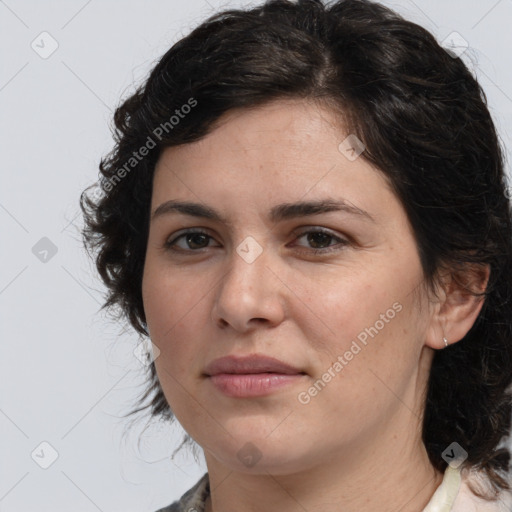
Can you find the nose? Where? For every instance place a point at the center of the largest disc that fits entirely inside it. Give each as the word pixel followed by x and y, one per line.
pixel 249 293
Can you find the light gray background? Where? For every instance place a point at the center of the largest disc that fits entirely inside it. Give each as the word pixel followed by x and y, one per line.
pixel 67 372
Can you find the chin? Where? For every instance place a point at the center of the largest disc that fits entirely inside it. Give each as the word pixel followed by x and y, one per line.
pixel 279 455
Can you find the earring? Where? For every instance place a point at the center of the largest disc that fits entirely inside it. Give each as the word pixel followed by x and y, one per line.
pixel 445 342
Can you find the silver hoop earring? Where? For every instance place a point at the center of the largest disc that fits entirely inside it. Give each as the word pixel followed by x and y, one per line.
pixel 445 342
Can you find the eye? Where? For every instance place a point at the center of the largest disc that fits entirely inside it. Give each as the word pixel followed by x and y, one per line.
pixel 321 239
pixel 194 240
pixel 191 240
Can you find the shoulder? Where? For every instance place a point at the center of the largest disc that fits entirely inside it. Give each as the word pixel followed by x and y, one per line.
pixel 467 501
pixel 193 500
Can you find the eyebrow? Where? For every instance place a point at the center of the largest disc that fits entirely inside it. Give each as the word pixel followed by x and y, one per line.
pixel 278 213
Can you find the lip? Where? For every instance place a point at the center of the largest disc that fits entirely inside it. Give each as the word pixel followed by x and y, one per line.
pixel 251 376
pixel 254 363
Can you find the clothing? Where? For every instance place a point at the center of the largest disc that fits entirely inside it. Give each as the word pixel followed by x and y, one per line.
pixel 453 495
pixel 193 500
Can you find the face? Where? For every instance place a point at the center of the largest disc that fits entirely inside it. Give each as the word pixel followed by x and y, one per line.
pixel 295 250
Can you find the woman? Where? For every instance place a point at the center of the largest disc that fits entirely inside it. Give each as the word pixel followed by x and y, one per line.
pixel 306 212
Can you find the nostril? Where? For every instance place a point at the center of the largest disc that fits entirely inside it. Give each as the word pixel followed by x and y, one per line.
pixel 223 322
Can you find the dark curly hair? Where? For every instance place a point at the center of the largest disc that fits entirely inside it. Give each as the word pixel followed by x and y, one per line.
pixel 424 120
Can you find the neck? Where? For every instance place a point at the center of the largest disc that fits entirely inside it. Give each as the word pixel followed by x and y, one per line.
pixel 400 482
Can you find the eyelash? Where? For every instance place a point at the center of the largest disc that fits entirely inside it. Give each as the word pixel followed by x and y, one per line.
pixel 169 244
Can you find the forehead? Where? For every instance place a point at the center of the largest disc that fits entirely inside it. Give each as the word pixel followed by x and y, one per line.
pixel 290 149
pixel 276 127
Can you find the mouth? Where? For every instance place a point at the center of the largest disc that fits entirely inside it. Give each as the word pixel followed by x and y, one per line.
pixel 251 376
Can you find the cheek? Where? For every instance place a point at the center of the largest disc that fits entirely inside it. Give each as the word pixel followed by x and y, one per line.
pixel 334 308
pixel 174 310
pixel 367 317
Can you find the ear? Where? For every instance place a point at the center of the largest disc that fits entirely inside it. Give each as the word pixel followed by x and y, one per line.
pixel 456 309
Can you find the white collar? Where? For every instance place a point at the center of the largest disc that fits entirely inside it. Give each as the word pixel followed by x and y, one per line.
pixel 446 494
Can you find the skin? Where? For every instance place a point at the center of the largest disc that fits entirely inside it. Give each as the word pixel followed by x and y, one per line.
pixel 357 444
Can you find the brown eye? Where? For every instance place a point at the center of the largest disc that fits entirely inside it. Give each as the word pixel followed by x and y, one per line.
pixel 195 239
pixel 190 240
pixel 320 241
